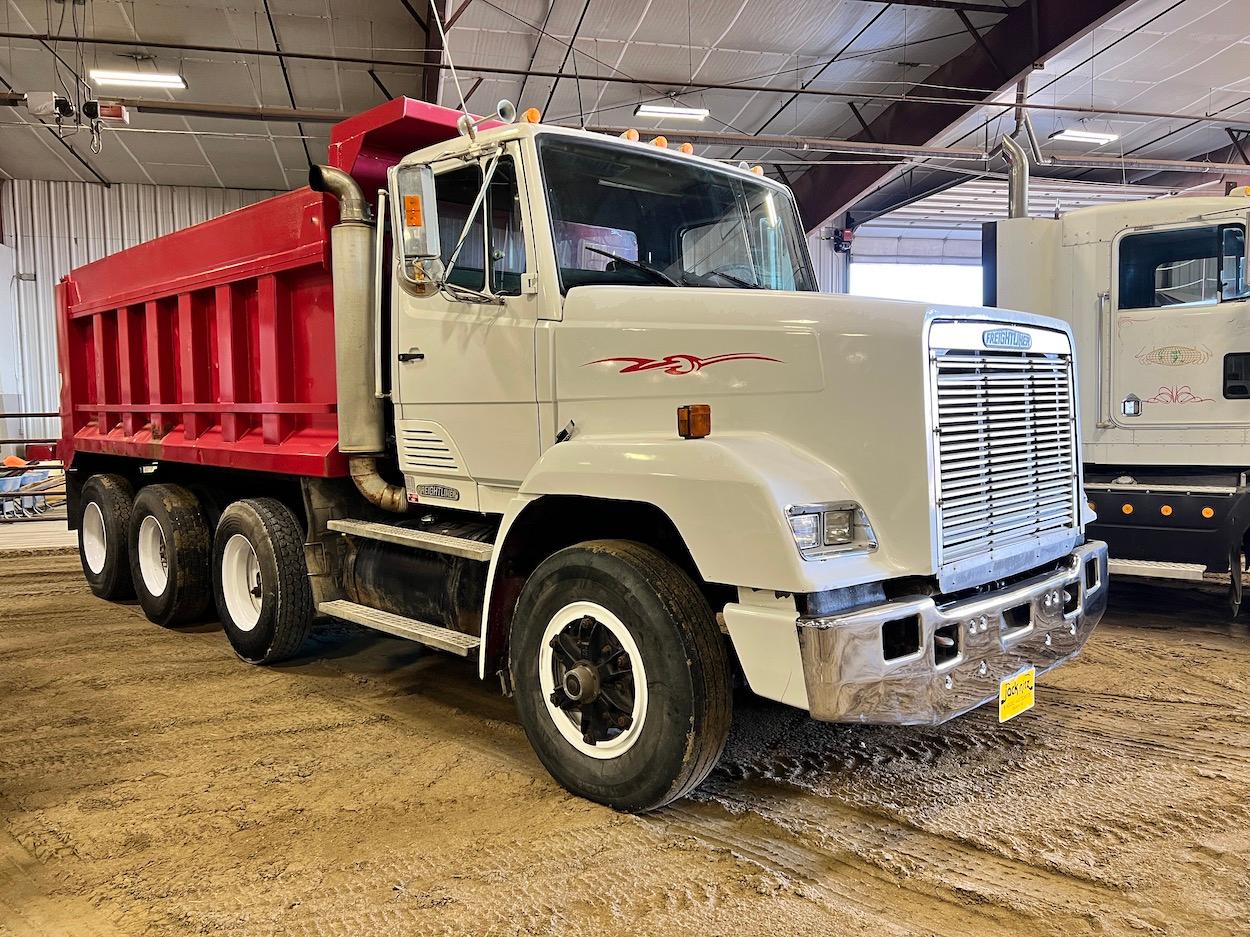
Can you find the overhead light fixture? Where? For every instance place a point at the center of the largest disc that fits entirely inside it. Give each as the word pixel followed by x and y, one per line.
pixel 103 76
pixel 1084 136
pixel 671 110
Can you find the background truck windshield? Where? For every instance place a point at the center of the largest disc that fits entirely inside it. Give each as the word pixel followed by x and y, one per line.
pixel 621 215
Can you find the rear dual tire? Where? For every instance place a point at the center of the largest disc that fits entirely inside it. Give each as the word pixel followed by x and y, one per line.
pixel 260 580
pixel 169 550
pixel 103 548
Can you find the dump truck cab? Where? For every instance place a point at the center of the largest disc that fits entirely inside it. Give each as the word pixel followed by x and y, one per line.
pixel 1157 297
pixel 596 428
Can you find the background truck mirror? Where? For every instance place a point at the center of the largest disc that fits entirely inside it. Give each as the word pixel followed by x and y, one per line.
pixel 415 213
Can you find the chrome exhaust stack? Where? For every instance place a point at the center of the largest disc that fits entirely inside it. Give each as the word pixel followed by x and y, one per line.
pixel 362 424
pixel 1018 178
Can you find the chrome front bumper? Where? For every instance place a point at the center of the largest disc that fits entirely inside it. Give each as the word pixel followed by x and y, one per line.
pixel 1039 622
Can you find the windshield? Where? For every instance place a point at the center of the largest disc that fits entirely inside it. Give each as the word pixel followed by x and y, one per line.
pixel 621 215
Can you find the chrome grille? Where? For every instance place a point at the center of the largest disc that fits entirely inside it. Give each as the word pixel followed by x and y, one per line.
pixel 1006 449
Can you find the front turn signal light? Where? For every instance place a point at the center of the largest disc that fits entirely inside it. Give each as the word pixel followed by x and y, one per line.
pixel 694 420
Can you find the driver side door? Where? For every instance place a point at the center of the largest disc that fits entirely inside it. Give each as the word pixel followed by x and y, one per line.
pixel 466 411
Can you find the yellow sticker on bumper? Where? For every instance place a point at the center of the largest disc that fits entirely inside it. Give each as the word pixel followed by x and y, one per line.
pixel 1015 694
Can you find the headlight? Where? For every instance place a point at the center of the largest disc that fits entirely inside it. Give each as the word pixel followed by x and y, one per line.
pixel 806 529
pixel 822 530
pixel 839 527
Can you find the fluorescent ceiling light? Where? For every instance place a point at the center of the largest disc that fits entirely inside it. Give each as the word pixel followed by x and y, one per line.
pixel 137 79
pixel 1084 136
pixel 666 110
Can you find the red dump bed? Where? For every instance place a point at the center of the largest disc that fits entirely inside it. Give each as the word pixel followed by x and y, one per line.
pixel 215 344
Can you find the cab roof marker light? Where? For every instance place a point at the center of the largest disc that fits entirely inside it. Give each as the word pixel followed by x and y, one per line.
pixel 671 110
pixel 137 79
pixel 631 135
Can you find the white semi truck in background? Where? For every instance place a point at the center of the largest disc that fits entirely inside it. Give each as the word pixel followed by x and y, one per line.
pixel 1156 294
pixel 572 405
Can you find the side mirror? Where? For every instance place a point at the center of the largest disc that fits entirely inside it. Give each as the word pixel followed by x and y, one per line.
pixel 1245 257
pixel 414 224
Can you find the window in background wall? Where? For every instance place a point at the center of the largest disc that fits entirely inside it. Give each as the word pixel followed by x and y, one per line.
pixel 932 283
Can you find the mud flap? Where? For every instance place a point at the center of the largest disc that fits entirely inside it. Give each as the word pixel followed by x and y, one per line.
pixel 1235 566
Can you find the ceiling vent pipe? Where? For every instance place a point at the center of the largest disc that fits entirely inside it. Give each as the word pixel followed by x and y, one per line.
pixel 362 427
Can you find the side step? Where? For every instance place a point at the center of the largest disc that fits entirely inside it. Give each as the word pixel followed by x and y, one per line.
pixel 1156 569
pixel 418 539
pixel 442 638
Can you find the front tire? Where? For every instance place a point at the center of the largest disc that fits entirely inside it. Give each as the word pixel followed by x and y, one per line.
pixel 621 677
pixel 260 580
pixel 169 549
pixel 103 527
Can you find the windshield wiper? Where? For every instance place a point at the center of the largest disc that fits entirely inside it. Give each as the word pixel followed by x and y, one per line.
pixel 737 281
pixel 637 265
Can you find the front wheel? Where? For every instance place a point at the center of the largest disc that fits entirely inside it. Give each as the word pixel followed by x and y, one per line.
pixel 621 676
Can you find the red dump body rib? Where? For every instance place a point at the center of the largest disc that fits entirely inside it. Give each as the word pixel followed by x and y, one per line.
pixel 215 344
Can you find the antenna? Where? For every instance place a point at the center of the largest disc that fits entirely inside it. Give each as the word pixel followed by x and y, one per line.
pixel 438 21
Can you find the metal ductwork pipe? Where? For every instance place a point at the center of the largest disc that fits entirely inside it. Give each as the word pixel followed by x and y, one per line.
pixel 1018 179
pixel 362 425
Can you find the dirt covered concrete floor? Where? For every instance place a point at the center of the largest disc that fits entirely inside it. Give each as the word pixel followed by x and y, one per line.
pixel 150 783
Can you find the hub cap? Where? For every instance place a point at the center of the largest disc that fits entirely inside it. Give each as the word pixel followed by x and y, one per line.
pixel 240 582
pixel 94 546
pixel 153 561
pixel 593 680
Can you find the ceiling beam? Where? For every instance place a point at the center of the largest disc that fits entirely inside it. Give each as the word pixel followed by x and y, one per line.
pixel 960 6
pixel 1002 50
pixel 951 101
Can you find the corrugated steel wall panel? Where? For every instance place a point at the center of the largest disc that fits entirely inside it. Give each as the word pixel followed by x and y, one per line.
pixel 57 226
pixel 831 267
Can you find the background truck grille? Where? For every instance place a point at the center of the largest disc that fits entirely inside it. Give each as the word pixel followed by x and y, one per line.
pixel 1006 449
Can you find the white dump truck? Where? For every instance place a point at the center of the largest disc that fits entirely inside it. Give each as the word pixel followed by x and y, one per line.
pixel 572 405
pixel 1155 292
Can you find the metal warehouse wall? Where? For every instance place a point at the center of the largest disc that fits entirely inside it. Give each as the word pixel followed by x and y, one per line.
pixel 831 267
pixel 53 227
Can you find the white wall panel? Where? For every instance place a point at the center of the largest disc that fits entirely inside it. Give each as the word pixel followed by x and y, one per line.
pixel 53 227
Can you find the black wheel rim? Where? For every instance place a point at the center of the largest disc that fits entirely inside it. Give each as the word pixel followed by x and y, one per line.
pixel 594 679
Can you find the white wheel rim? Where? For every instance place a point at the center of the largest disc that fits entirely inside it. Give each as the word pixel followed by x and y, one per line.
pixel 240 582
pixel 94 544
pixel 153 557
pixel 569 724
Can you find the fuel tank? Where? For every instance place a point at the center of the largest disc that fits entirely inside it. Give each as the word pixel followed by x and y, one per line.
pixel 435 588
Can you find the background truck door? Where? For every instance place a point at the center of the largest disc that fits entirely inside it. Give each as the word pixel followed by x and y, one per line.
pixel 1180 329
pixel 466 407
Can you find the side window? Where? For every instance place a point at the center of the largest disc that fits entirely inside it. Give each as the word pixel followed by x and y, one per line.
pixel 1237 376
pixel 507 239
pixel 456 191
pixel 1182 267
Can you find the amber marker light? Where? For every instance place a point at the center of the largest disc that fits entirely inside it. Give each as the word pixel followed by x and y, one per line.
pixel 694 420
pixel 1127 509
pixel 1166 510
pixel 687 148
pixel 1208 513
pixel 631 135
pixel 661 142
pixel 532 115
pixel 758 170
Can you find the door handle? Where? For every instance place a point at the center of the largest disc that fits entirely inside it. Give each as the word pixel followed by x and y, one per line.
pixel 412 356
